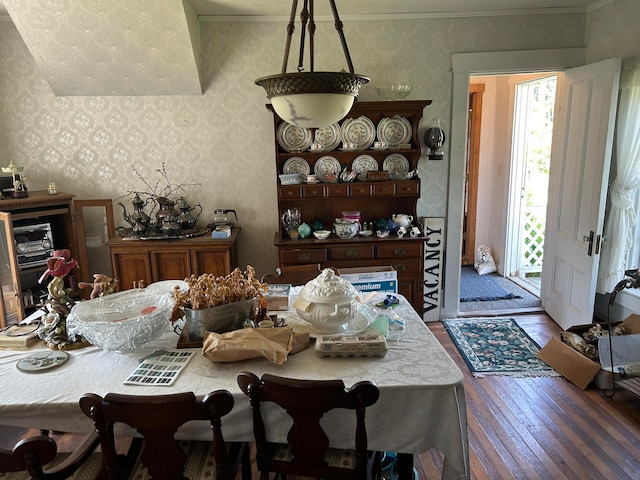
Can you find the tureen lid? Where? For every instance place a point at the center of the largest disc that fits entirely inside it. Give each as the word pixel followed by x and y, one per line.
pixel 328 288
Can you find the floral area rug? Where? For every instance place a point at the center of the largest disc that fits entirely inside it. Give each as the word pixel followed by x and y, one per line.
pixel 497 346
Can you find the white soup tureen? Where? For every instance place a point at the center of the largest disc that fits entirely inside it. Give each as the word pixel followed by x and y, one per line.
pixel 328 302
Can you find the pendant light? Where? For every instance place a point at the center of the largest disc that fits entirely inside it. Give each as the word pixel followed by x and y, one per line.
pixel 312 99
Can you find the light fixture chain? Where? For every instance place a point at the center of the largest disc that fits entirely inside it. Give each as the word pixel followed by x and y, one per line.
pixel 304 17
pixel 343 40
pixel 291 27
pixel 312 32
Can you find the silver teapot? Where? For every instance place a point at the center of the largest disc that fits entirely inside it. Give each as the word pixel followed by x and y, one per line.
pixel 186 218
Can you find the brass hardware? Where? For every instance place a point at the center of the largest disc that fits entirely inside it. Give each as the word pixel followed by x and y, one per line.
pixel 400 266
pixel 304 257
pixel 398 252
pixel 352 253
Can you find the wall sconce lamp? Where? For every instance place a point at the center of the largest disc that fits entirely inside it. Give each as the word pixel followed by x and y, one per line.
pixel 434 138
pixel 312 99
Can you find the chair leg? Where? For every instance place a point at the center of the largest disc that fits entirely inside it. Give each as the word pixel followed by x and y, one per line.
pixel 246 463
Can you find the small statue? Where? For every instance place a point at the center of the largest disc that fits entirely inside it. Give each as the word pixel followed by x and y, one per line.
pixel 102 285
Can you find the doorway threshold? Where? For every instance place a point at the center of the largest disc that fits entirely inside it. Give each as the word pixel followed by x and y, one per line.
pixel 500 313
pixel 528 286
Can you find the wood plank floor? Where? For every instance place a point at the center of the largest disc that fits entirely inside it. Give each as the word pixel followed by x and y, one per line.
pixel 538 428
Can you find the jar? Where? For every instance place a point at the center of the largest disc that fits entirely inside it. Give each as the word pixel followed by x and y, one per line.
pixel 53 190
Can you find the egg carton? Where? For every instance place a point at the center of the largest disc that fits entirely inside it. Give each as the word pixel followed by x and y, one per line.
pixel 363 345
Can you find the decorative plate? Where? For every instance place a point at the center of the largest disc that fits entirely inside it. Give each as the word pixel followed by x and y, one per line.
pixel 42 361
pixel 363 164
pixel 394 130
pixel 327 165
pixel 360 131
pixel 328 137
pixel 396 162
pixel 296 165
pixel 294 139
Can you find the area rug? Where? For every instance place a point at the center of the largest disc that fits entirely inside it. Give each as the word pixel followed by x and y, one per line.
pixel 480 288
pixel 496 346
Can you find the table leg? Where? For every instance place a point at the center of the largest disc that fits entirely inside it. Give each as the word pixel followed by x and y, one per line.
pixel 405 466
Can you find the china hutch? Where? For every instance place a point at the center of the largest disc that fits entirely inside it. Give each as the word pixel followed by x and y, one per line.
pixel 375 195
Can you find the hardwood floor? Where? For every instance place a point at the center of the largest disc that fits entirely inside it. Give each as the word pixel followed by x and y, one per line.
pixel 542 427
pixel 538 428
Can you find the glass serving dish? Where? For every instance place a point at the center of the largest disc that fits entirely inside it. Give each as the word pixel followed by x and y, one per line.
pixel 122 321
pixel 393 92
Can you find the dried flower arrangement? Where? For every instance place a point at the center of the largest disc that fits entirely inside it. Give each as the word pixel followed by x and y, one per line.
pixel 207 290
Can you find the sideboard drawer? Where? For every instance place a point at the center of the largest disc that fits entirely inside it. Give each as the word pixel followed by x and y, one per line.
pixel 360 190
pixel 310 255
pixel 407 188
pixel 337 190
pixel 354 252
pixel 290 191
pixel 384 188
pixel 399 250
pixel 312 191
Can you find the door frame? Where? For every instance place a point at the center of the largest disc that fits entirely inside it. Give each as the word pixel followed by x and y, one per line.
pixel 463 66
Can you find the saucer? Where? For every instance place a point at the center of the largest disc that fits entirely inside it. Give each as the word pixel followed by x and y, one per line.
pixel 311 183
pixel 379 149
pixel 358 324
pixel 365 233
pixel 348 149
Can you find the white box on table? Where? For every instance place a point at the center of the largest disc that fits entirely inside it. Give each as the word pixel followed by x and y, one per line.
pixel 369 279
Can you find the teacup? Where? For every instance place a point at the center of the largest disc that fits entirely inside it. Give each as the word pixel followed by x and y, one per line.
pixel 401 232
pixel 415 231
pixel 349 145
pixel 312 178
pixel 315 146
pixel 380 145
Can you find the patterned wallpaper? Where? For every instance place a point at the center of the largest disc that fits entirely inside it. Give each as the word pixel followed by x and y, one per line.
pixel 223 140
pixel 129 48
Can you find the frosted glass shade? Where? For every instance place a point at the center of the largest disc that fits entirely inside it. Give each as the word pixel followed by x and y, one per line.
pixel 312 99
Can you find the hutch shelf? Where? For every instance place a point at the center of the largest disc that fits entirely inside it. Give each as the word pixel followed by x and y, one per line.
pixel 324 202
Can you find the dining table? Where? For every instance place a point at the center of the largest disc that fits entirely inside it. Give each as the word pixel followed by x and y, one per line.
pixel 421 404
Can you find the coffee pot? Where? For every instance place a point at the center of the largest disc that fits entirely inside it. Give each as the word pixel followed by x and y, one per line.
pixel 222 216
pixel 187 218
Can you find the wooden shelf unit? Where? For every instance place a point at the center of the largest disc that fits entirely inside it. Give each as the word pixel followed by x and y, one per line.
pixel 324 202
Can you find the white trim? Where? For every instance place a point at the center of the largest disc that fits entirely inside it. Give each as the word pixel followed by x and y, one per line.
pixel 482 63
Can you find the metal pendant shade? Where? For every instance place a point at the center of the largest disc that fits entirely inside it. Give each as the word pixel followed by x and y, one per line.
pixel 312 99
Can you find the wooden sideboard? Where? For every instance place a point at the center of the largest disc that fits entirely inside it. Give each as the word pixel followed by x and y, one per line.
pixel 323 202
pixel 150 261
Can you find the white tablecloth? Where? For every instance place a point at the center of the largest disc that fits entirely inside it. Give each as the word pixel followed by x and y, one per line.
pixel 421 405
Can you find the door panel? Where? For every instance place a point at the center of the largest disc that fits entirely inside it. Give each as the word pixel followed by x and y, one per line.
pixel 580 159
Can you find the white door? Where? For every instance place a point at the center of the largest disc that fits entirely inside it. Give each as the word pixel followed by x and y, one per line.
pixel 578 178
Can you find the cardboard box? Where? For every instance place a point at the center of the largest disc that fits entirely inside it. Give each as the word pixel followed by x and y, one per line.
pixel 369 279
pixel 577 368
pixel 626 354
pixel 277 296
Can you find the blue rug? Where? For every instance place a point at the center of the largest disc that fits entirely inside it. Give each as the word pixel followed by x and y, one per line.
pixel 481 288
pixel 496 346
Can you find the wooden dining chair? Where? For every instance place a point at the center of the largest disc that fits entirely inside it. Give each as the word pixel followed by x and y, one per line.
pixel 295 275
pixel 307 451
pixel 32 456
pixel 156 419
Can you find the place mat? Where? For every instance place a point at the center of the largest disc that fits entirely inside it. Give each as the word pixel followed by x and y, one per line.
pixel 496 346
pixel 481 288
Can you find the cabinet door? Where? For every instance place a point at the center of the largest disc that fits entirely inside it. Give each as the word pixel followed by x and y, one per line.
pixel 94 225
pixel 170 265
pixel 11 306
pixel 213 262
pixel 130 268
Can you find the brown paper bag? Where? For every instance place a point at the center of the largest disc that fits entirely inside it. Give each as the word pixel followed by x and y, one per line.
pixel 274 344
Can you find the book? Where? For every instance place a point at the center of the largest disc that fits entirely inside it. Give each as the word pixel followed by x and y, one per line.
pixel 19 336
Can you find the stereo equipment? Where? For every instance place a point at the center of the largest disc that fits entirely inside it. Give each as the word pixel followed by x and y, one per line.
pixel 34 244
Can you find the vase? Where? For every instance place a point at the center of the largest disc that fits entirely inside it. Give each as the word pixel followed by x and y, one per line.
pixel 218 319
